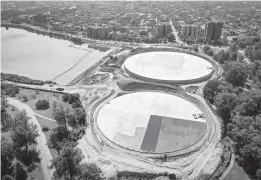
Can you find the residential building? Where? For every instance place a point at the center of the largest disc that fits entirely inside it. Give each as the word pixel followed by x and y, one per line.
pixel 163 29
pixel 218 30
pixel 102 32
pixel 89 32
pixel 213 31
pixel 183 30
pixel 189 30
pixel 94 32
pixel 40 18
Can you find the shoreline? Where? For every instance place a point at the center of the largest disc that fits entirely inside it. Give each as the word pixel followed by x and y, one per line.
pixel 51 34
pixel 59 36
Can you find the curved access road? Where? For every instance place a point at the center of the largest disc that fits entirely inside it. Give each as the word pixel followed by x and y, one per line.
pixel 45 153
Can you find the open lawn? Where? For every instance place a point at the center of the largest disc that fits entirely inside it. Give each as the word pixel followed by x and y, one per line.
pixel 237 173
pixel 33 96
pixel 51 125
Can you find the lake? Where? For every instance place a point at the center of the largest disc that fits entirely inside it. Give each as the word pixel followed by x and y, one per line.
pixel 44 58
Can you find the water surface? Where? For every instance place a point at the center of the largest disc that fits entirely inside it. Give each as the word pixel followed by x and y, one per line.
pixel 41 57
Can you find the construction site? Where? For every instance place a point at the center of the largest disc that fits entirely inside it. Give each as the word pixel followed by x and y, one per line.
pixel 142 121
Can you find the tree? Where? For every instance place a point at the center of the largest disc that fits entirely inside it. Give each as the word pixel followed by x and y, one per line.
pixel 247 108
pixel 65 97
pixel 56 138
pixel 206 48
pixel 257 54
pixel 240 57
pixel 235 73
pixel 213 87
pixel 233 48
pixel 233 57
pixel 72 120
pixel 241 44
pixel 81 116
pixel 225 103
pixel 24 133
pixel 42 104
pixel 20 172
pixel 210 90
pixel 5 117
pixel 76 104
pixel 258 174
pixel 9 89
pixel 171 37
pixel 7 156
pixel 60 117
pixel 67 164
pixel 210 52
pixel 189 40
pixel 218 42
pixel 246 52
pixel 91 172
pixel 8 177
pixel 73 97
pixel 195 48
pixel 222 56
pixel 29 159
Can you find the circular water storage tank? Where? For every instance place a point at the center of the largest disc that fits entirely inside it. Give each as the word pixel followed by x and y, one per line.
pixel 168 67
pixel 151 122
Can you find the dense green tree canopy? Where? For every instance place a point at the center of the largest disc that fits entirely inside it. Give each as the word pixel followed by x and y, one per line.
pixel 67 165
pixel 236 73
pixel 24 133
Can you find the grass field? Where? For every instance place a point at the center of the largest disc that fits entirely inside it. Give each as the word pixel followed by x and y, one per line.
pixel 51 125
pixel 33 96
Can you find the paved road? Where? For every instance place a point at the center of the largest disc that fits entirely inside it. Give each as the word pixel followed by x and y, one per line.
pixel 175 33
pixel 45 153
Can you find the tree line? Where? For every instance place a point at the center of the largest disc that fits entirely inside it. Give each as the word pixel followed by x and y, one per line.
pixel 237 98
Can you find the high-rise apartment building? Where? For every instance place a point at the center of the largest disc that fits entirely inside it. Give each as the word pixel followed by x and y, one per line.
pixel 189 30
pixel 102 32
pixel 163 29
pixel 218 30
pixel 97 32
pixel 213 31
pixel 183 30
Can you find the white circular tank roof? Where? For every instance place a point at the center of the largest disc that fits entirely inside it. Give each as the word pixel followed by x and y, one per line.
pixel 151 122
pixel 168 66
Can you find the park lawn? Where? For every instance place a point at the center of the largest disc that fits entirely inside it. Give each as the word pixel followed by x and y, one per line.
pixel 237 173
pixel 51 125
pixel 33 96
